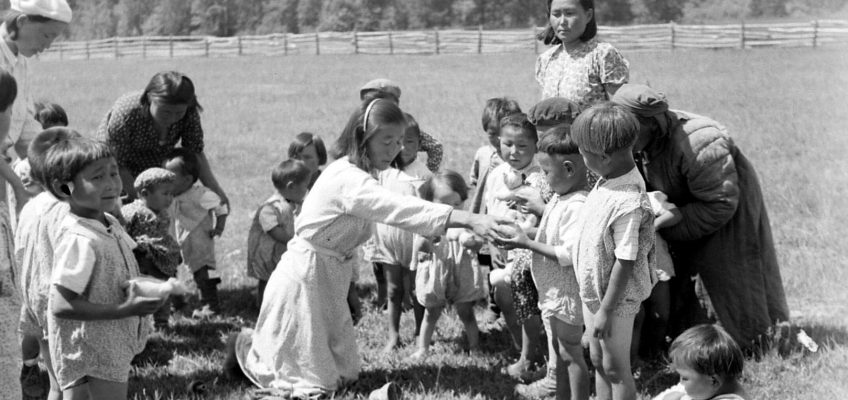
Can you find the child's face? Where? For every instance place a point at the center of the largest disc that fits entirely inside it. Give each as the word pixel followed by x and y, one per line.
pixel 385 145
pixel 556 172
pixel 159 197
pixel 443 194
pixel 493 132
pixel 24 172
pixel 295 191
pixel 410 146
pixel 309 156
pixel 95 189
pixel 698 386
pixel 183 182
pixel 517 147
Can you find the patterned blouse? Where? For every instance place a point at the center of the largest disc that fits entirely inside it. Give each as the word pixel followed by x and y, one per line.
pixel 131 134
pixel 433 148
pixel 579 75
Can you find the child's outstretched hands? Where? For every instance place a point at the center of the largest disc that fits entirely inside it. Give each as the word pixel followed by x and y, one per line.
pixel 517 239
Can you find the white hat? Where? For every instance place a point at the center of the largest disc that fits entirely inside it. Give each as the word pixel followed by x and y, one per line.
pixel 53 9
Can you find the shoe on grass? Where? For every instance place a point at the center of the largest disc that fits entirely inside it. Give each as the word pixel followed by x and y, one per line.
pixel 541 389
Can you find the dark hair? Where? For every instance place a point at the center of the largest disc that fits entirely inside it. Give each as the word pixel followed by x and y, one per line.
pixel 39 145
pixel 520 121
pixel 497 108
pixel 294 171
pixel 8 89
pixel 548 36
pixel 605 128
pixel 449 178
pixel 68 157
pixel 171 87
pixel 374 94
pixel 50 114
pixel 11 20
pixel 304 140
pixel 558 141
pixel 411 127
pixel 709 350
pixel 354 138
pixel 187 162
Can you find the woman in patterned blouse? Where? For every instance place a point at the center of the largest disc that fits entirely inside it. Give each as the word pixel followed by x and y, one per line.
pixel 579 67
pixel 143 127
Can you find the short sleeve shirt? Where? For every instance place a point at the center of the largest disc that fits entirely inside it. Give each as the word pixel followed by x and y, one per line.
pixel 579 75
pixel 131 134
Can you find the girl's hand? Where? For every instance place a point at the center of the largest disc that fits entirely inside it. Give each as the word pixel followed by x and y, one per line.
pixel 531 201
pixel 518 239
pixel 603 325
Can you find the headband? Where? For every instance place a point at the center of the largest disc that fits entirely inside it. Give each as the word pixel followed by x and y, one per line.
pixel 367 113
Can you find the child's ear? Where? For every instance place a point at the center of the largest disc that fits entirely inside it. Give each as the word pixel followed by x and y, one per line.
pixel 716 381
pixel 62 189
pixel 569 167
pixel 143 192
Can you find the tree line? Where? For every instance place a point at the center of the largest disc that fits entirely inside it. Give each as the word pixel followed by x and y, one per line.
pixel 107 18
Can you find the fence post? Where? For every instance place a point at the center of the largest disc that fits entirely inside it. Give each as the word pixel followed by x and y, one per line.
pixel 391 44
pixel 671 32
pixel 355 43
pixel 437 40
pixel 286 44
pixel 115 46
pixel 742 34
pixel 480 39
pixel 815 33
pixel 87 50
pixel 171 46
pixel 317 44
pixel 144 47
pixel 535 41
pixel 206 46
pixel 239 45
pixel 61 50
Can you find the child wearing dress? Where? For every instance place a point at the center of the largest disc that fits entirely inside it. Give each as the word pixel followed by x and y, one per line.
pixel 515 292
pixel 95 324
pixel 273 223
pixel 35 239
pixel 309 148
pixel 553 272
pixel 199 216
pixel 446 269
pixel 614 255
pixel 709 363
pixel 148 223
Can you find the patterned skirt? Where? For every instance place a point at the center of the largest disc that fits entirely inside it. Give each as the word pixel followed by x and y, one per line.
pixel 525 297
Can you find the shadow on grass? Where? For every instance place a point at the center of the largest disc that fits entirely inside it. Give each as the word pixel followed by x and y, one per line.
pixel 445 380
pixel 239 302
pixel 196 385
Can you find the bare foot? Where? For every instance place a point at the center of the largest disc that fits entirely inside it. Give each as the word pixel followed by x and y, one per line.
pixel 417 356
pixel 391 346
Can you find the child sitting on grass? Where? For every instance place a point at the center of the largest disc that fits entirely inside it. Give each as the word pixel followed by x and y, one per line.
pixel 709 363
pixel 199 216
pixel 148 223
pixel 273 223
pixel 95 324
pixel 446 268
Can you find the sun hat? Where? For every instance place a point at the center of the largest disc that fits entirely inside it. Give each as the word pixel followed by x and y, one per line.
pixel 553 111
pixel 380 84
pixel 53 9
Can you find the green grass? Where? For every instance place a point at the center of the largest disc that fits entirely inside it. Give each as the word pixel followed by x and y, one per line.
pixel 785 109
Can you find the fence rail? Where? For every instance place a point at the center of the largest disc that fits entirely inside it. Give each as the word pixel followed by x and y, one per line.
pixel 638 37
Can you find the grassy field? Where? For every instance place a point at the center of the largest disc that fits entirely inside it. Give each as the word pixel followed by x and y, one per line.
pixel 785 108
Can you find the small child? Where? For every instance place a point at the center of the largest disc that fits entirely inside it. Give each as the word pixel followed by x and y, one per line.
pixel 310 149
pixel 148 223
pixel 407 160
pixel 35 239
pixel 614 255
pixel 49 115
pixel 273 223
pixel 709 363
pixel 446 267
pixel 95 323
pixel 199 216
pixel 553 272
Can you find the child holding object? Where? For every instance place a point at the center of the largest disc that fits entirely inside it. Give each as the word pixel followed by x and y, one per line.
pixel 709 363
pixel 148 223
pixel 446 269
pixel 614 253
pixel 199 216
pixel 95 324
pixel 553 271
pixel 273 223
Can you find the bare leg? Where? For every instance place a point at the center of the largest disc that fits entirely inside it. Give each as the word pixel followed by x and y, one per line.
pixel 611 357
pixel 466 315
pixel 394 294
pixel 570 362
pixel 55 392
pixel 431 317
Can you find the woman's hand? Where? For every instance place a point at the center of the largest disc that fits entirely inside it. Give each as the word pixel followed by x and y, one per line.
pixel 490 227
pixel 531 201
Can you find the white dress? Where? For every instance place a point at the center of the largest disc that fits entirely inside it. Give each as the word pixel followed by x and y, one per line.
pixel 304 339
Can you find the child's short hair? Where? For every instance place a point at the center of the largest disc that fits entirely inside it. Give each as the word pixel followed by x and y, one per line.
pixel 68 157
pixel 8 89
pixel 304 140
pixel 553 111
pixel 520 121
pixel 497 108
pixel 171 87
pixel 38 149
pixel 605 128
pixel 558 141
pixel 292 170
pixel 50 114
pixel 449 178
pixel 187 162
pixel 709 350
pixel 152 177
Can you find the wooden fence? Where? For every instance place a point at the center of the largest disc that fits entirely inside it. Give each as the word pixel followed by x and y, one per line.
pixel 639 37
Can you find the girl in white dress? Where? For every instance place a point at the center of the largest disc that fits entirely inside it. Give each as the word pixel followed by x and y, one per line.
pixel 304 340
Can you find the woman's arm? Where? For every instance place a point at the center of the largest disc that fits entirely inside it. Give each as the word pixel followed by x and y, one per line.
pixel 208 178
pixel 667 218
pixel 9 175
pixel 433 148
